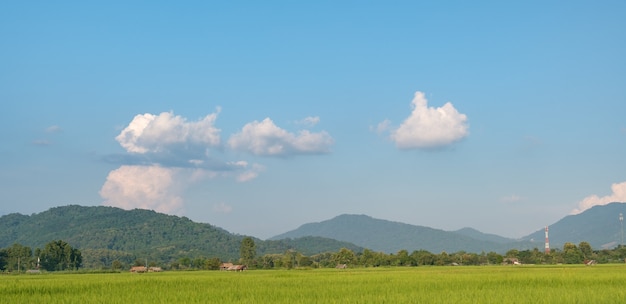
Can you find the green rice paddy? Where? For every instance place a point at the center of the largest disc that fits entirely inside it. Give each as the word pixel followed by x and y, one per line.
pixel 465 284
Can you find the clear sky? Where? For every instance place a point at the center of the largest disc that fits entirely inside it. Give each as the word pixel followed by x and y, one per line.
pixel 260 116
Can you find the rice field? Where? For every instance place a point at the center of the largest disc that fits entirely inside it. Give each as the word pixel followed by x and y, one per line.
pixel 481 284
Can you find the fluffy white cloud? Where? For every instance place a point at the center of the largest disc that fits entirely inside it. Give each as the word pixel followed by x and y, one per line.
pixel 145 187
pixel 265 138
pixel 158 133
pixel 428 127
pixel 161 189
pixel 618 195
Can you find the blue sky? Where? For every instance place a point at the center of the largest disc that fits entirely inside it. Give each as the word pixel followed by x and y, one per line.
pixel 258 117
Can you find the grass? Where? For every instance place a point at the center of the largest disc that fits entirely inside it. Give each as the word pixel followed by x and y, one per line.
pixel 488 284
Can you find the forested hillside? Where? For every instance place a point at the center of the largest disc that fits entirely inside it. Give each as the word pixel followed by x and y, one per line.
pixel 105 234
pixel 390 237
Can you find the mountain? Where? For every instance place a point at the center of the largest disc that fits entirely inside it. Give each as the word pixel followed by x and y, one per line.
pixel 477 235
pixel 599 226
pixel 391 237
pixel 112 233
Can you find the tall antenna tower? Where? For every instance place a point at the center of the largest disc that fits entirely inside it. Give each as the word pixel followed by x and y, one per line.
pixel 547 242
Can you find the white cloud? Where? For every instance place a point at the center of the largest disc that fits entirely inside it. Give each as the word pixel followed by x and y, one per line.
pixel 429 127
pixel 251 173
pixel 53 129
pixel 41 142
pixel 309 121
pixel 159 133
pixel 222 208
pixel 618 195
pixel 511 198
pixel 265 138
pixel 145 187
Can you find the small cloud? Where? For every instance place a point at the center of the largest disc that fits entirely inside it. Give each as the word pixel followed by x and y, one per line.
pixel 382 127
pixel 250 174
pixel 53 129
pixel 618 195
pixel 168 132
pixel 196 162
pixel 41 142
pixel 266 139
pixel 511 198
pixel 222 208
pixel 239 164
pixel 429 127
pixel 309 121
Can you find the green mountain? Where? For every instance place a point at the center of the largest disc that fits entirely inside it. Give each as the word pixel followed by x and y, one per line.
pixel 477 235
pixel 108 233
pixel 391 237
pixel 599 226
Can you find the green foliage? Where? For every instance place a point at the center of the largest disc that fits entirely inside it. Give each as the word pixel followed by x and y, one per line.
pixel 59 255
pixel 247 251
pixel 344 256
pixel 105 234
pixel 3 258
pixel 585 249
pixel 571 254
pixel 18 258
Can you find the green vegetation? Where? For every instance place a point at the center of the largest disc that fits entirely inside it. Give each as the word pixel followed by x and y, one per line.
pixel 106 234
pixel 484 284
pixel 247 251
pixel 58 255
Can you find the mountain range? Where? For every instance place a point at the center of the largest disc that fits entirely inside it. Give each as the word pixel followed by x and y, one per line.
pixel 107 233
pixel 599 226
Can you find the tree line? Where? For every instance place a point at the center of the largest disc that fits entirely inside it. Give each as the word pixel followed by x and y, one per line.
pixel 59 255
pixel 55 256
pixel 569 254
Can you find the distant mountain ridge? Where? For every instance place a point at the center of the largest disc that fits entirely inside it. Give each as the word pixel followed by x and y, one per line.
pixel 599 226
pixel 390 237
pixel 481 236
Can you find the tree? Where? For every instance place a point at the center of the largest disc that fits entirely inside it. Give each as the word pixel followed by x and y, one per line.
pixel 571 254
pixel 116 265
pixel 494 258
pixel 586 250
pixel 423 257
pixel 402 258
pixel 3 258
pixel 212 264
pixel 344 256
pixel 59 255
pixel 18 257
pixel 247 251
